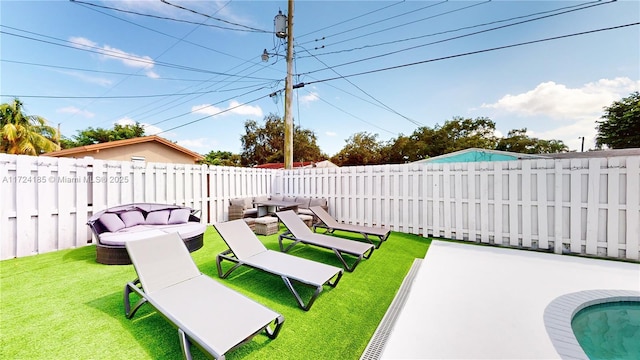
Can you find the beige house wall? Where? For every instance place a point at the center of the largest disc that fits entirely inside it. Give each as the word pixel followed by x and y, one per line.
pixel 150 151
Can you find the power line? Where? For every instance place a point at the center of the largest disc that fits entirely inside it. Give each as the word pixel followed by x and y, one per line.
pixel 580 7
pixel 475 52
pixel 215 18
pixel 121 96
pixel 366 93
pixel 102 71
pixel 164 17
pixel 350 114
pixel 461 36
pixel 212 115
pixel 110 53
pixel 405 24
pixel 379 21
pixel 351 19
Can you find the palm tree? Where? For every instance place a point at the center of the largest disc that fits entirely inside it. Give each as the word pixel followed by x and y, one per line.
pixel 24 134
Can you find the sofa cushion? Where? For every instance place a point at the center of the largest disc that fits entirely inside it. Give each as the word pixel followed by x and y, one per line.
pixel 112 222
pixel 250 212
pixel 237 202
pixel 160 217
pixel 289 198
pixel 303 202
pixel 179 216
pixel 277 197
pixel 305 212
pixel 132 218
pixel 259 199
pixel 318 202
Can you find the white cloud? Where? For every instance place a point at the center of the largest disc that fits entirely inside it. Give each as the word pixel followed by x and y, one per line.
pixel 234 107
pixel 74 110
pixel 560 102
pixel 148 128
pixel 330 133
pixel 309 98
pixel 196 144
pixel 109 52
pixel 578 108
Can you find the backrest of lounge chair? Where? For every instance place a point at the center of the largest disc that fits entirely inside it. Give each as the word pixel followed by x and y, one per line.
pixel 161 261
pixel 324 216
pixel 239 238
pixel 296 226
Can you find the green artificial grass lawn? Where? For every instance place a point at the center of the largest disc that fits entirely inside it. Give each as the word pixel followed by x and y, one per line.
pixel 64 305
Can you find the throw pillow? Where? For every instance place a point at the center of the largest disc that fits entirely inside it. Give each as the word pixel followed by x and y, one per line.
pixel 132 218
pixel 112 222
pixel 179 216
pixel 160 217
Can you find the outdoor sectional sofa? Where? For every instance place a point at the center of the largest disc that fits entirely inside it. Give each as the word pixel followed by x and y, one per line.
pixel 115 226
pixel 240 208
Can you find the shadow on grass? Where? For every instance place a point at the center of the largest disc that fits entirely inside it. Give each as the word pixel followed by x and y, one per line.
pixel 85 253
pixel 262 286
pixel 153 334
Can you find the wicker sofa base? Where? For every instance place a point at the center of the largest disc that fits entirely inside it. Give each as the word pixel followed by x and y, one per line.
pixel 117 255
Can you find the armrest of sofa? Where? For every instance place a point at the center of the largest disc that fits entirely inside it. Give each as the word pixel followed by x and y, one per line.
pixel 236 212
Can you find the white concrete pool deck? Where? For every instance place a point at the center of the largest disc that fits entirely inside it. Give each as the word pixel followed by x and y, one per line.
pixel 479 302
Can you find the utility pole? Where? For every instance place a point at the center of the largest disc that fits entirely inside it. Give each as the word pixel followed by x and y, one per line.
pixel 288 93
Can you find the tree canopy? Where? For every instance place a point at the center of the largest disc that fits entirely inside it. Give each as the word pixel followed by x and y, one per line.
pixel 24 134
pixel 222 158
pixel 425 142
pixel 265 144
pixel 620 125
pixel 92 136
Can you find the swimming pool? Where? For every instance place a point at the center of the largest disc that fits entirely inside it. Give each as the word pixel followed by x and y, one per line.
pixel 609 330
pixel 596 315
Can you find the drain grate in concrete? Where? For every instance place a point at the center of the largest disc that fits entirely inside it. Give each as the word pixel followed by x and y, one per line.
pixel 379 339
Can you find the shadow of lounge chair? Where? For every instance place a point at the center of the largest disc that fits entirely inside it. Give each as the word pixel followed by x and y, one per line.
pixel 298 232
pixel 246 249
pixel 330 224
pixel 208 314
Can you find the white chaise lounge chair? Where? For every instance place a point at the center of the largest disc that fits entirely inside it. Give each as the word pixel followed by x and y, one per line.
pixel 208 314
pixel 330 224
pixel 298 232
pixel 246 249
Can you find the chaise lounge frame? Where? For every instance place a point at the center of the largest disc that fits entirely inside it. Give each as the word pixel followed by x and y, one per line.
pixel 298 232
pixel 330 224
pixel 245 249
pixel 191 301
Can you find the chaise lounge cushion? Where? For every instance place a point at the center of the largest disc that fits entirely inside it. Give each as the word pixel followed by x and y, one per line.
pixel 120 238
pixel 185 230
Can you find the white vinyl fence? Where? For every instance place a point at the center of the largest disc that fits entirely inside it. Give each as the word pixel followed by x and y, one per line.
pixel 582 206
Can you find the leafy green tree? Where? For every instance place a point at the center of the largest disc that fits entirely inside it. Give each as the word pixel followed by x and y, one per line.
pixel 24 134
pixel 460 134
pixel 265 144
pixel 362 148
pixel 399 150
pixel 222 158
pixel 92 136
pixel 518 141
pixel 620 125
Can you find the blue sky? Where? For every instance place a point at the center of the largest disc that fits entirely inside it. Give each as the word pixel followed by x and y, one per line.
pixel 385 67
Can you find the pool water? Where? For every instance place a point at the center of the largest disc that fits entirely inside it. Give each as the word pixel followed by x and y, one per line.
pixel 609 330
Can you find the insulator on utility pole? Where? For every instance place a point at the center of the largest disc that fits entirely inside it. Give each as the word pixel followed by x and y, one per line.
pixel 280 24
